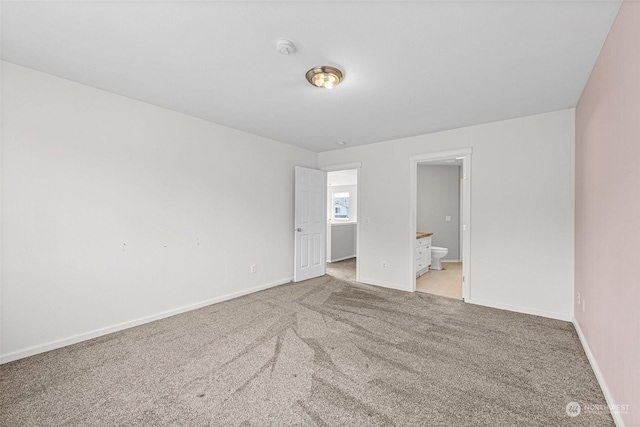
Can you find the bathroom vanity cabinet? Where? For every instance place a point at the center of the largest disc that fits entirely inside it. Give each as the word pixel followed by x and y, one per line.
pixel 423 253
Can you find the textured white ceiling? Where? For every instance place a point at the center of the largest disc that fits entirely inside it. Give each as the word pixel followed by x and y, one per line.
pixel 410 67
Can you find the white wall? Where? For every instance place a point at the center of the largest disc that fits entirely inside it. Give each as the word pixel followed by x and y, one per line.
pixel 116 212
pixel 342 241
pixel 522 201
pixel 438 196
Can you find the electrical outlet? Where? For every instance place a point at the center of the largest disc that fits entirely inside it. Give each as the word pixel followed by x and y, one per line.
pixel 384 265
pixel 578 298
pixel 254 268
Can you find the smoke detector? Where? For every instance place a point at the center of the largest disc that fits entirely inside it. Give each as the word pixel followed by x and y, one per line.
pixel 285 47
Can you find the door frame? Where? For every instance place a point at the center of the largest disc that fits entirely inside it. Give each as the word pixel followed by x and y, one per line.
pixel 344 167
pixel 465 220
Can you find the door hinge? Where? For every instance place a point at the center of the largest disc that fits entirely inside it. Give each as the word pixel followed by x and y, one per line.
pixel 462 279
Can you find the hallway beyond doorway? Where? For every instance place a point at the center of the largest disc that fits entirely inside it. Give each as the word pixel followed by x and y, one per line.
pixel 344 270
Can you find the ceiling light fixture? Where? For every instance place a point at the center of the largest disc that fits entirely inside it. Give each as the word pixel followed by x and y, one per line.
pixel 324 76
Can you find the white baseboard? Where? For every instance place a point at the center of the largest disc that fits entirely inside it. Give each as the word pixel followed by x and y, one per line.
pixel 449 260
pixel 383 284
pixel 31 351
pixel 519 309
pixel 343 258
pixel 596 370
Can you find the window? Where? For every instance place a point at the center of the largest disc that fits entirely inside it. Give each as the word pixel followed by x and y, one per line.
pixel 341 206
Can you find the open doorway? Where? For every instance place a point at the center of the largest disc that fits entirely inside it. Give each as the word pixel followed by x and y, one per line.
pixel 342 223
pixel 440 217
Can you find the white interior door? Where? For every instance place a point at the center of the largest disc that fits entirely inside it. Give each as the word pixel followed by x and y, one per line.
pixel 310 223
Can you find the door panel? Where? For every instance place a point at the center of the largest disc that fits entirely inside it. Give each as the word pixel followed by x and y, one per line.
pixel 317 247
pixel 310 223
pixel 304 251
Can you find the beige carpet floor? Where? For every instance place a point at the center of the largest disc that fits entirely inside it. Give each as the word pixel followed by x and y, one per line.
pixel 325 352
pixel 344 270
pixel 446 282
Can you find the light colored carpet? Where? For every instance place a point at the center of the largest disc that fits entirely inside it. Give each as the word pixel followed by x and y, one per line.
pixel 325 352
pixel 343 270
pixel 446 282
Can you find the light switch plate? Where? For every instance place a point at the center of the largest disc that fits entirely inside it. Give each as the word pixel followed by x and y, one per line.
pixel 447 218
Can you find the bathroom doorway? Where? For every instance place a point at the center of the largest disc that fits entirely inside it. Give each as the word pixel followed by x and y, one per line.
pixel 342 221
pixel 440 214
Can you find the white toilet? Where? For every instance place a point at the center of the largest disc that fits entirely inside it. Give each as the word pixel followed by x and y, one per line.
pixel 436 254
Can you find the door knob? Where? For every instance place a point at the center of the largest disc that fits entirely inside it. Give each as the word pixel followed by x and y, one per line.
pixel 298 229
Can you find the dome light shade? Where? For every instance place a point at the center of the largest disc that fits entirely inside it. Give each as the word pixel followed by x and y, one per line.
pixel 324 76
